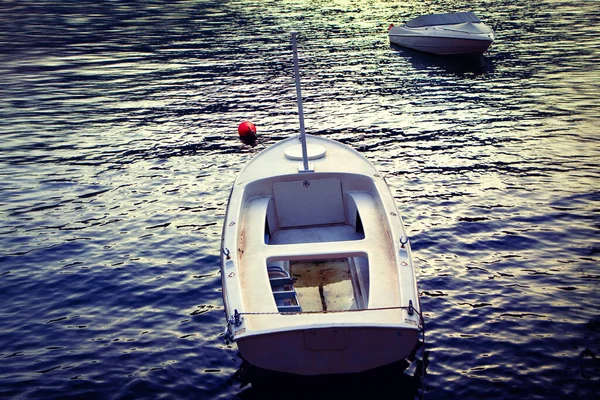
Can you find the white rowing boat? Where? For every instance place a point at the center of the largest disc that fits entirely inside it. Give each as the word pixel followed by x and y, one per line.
pixel 316 265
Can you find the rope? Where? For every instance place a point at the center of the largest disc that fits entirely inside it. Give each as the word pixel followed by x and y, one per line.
pixel 326 311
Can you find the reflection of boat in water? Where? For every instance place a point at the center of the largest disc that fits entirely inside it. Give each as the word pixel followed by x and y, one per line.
pixel 379 382
pixel 458 65
pixel 444 34
pixel 316 266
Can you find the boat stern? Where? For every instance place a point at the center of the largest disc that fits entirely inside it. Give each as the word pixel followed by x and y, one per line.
pixel 331 350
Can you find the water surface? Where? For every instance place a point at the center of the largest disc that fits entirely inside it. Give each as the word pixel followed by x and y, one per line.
pixel 119 146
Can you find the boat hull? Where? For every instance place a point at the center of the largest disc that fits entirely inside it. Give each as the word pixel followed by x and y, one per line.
pixel 441 45
pixel 328 350
pixel 447 40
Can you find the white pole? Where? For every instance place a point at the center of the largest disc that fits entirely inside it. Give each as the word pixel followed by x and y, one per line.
pixel 300 111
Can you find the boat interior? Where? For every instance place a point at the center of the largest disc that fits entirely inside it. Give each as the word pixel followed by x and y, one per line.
pixel 321 245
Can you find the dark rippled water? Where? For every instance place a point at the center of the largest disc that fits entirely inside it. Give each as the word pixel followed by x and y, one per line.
pixel 119 145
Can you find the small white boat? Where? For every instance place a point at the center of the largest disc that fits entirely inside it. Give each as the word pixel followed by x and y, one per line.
pixel 316 265
pixel 444 34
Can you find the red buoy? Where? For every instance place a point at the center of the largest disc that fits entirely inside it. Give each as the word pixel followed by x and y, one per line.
pixel 247 129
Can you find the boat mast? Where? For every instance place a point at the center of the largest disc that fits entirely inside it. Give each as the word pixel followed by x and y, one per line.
pixel 300 111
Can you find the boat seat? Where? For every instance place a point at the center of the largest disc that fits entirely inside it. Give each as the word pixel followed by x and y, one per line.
pixel 383 278
pixel 365 205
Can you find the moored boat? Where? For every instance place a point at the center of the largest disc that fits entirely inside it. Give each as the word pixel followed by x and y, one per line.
pixel 444 34
pixel 316 265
